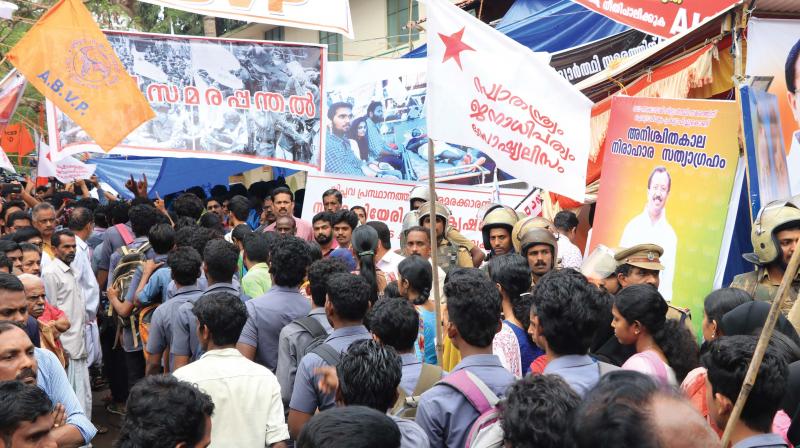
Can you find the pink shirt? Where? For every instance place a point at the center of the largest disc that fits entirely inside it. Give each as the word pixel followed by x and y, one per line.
pixel 304 229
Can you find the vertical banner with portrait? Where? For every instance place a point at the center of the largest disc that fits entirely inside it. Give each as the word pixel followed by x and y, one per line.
pixel 667 179
pixel 376 126
pixel 214 98
pixel 768 176
pixel 773 51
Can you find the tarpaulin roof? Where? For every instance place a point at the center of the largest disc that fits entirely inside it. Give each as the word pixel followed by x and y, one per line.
pixel 169 175
pixel 532 23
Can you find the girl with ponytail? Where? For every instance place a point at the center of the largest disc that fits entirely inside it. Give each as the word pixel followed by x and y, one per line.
pixel 665 348
pixel 364 243
pixel 414 283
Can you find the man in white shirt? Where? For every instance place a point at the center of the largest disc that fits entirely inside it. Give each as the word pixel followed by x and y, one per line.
pixel 81 222
pixel 246 395
pixel 567 224
pixel 385 258
pixel 63 291
pixel 651 227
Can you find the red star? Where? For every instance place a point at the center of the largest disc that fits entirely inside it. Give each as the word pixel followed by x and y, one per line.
pixel 454 46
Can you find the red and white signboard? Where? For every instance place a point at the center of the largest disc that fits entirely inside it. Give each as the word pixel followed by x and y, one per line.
pixel 388 202
pixel 66 170
pixel 664 18
pixel 488 92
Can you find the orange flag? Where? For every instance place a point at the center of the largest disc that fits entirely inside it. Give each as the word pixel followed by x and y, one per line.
pixel 69 60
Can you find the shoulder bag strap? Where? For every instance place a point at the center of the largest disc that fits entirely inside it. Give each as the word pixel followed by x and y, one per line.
pixel 473 389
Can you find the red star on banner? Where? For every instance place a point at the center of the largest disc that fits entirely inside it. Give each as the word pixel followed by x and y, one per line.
pixel 454 46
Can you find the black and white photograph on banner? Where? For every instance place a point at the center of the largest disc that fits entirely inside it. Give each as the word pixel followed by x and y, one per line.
pixel 218 98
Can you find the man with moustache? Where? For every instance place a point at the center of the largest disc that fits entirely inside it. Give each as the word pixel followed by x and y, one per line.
pixel 540 247
pixel 63 291
pixel 496 227
pixel 322 225
pixel 344 222
pixel 285 226
pixel 23 362
pixel 651 227
pixel 51 320
pixel 283 204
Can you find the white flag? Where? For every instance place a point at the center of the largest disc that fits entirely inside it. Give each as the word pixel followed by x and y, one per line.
pixel 66 170
pixel 491 93
pixel 5 163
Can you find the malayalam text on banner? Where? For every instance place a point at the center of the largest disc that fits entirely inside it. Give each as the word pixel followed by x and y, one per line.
pixel 668 173
pixel 216 98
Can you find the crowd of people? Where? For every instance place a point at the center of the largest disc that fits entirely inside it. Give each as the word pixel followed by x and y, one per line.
pixel 220 318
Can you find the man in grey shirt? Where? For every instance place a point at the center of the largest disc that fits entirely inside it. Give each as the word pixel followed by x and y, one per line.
pixel 219 265
pixel 369 373
pixel 283 303
pixel 346 306
pixel 473 307
pixel 566 318
pixel 295 338
pixel 395 322
pixel 184 263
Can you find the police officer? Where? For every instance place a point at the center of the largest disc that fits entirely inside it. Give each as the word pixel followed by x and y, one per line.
pixel 496 227
pixel 450 254
pixel 540 247
pixel 775 236
pixel 420 195
pixel 641 264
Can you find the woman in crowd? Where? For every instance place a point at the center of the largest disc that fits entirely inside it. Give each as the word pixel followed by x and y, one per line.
pixel 665 348
pixel 365 243
pixel 414 284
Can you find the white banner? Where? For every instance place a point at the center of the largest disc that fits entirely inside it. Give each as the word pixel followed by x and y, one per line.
pixel 69 169
pixel 488 92
pixel 387 201
pixel 5 163
pixel 323 15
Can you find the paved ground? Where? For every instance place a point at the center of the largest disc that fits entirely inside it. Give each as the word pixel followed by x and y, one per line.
pixel 101 417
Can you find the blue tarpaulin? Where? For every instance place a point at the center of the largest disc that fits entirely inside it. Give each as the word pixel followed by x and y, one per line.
pixel 532 23
pixel 169 175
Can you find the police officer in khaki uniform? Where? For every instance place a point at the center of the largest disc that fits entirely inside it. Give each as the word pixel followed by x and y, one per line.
pixel 641 264
pixel 449 254
pixel 540 247
pixel 775 238
pixel 496 227
pixel 420 195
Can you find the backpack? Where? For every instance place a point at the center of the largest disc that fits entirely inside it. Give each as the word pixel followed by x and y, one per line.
pixel 145 316
pixel 486 431
pixel 315 329
pixel 406 406
pixel 132 258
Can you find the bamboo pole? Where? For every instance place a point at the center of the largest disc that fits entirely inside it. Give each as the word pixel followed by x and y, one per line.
pixel 761 347
pixel 434 255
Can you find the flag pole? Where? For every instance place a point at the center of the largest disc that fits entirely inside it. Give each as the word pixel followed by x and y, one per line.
pixel 761 347
pixel 434 254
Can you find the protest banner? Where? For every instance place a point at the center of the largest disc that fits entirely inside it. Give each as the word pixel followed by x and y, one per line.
pixel 323 15
pixel 69 169
pixel 767 173
pixel 772 45
pixel 5 163
pixel 12 87
pixel 388 131
pixel 663 18
pixel 215 98
pixel 531 121
pixel 579 63
pixel 387 201
pixel 67 59
pixel 668 173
